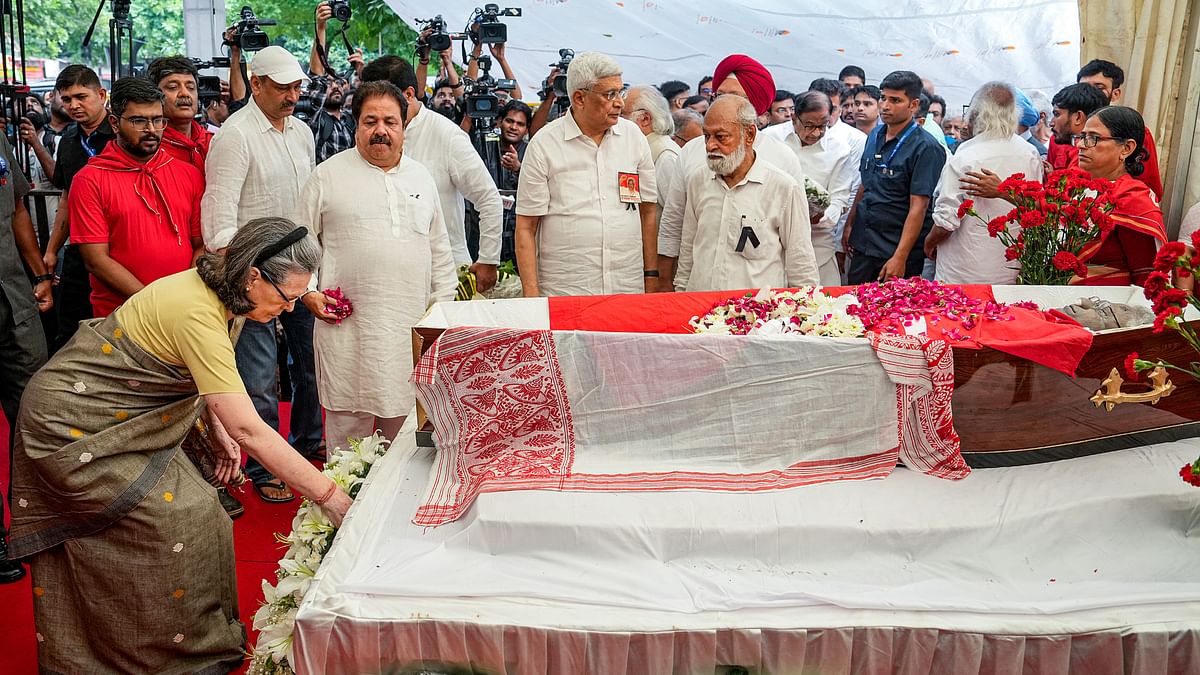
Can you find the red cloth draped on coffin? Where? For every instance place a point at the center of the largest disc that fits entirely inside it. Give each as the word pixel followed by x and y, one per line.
pixel 1047 338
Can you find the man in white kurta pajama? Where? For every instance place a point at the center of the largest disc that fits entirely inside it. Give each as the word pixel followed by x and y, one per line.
pixel 831 164
pixel 379 218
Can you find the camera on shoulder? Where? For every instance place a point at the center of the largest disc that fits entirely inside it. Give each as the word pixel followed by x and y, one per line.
pixel 247 32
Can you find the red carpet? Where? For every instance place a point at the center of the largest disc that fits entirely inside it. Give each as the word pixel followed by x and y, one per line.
pixel 254 543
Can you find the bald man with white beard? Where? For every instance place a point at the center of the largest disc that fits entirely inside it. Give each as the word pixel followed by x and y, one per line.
pixel 746 223
pixel 692 159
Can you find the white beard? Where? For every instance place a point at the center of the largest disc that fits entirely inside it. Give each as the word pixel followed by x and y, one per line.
pixel 727 164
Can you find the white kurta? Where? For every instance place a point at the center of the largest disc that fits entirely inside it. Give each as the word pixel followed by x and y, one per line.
pixel 253 170
pixel 831 164
pixel 692 160
pixel 445 150
pixel 766 200
pixel 857 140
pixel 970 255
pixel 385 245
pixel 588 242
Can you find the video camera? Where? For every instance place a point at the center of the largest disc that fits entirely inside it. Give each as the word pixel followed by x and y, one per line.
pixel 487 27
pixel 559 85
pixel 247 33
pixel 439 40
pixel 208 87
pixel 480 93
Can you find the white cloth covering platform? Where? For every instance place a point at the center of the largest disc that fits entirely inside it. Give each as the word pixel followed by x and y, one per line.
pixel 1081 566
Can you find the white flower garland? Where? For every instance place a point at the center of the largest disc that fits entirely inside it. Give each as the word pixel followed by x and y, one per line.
pixel 804 311
pixel 312 534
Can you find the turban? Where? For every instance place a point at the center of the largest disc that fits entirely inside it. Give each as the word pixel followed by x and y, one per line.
pixel 1029 114
pixel 754 78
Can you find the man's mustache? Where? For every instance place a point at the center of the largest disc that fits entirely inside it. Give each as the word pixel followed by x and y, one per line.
pixel 380 139
pixel 184 101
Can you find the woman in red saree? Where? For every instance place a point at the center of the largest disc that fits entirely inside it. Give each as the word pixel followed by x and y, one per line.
pixel 1110 148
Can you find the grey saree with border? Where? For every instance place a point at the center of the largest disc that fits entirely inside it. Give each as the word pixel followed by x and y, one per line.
pixel 130 552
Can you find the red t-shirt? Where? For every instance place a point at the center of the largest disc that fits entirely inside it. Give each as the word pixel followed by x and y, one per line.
pixel 136 210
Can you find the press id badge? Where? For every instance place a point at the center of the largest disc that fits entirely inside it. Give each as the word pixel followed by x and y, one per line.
pixel 629 187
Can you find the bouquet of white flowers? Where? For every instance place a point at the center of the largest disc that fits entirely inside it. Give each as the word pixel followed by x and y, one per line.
pixel 804 311
pixel 312 534
pixel 818 199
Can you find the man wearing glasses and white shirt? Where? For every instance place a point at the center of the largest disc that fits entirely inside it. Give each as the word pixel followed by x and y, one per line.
pixel 587 198
pixel 257 163
pixel 831 164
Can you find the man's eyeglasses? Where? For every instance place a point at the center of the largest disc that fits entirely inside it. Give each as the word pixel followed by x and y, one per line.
pixel 783 109
pixel 706 91
pixel 809 128
pixel 612 94
pixel 1090 140
pixel 282 296
pixel 144 123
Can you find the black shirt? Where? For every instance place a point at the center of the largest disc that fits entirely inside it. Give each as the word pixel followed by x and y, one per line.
pixel 892 171
pixel 73 156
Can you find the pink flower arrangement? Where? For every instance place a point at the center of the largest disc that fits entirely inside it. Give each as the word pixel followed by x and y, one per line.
pixel 342 307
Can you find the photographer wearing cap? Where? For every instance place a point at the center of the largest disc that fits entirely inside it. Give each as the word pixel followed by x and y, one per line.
pixel 184 138
pixel 257 163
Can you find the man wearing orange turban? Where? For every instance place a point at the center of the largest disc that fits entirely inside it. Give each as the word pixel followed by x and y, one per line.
pixel 739 75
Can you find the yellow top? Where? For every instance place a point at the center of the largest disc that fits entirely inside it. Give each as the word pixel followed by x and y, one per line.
pixel 179 320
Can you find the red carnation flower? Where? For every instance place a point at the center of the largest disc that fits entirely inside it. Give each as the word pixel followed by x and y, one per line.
pixel 1196 240
pixel 1130 369
pixel 1156 283
pixel 1066 261
pixel 1012 253
pixel 1190 474
pixel 997 225
pixel 967 207
pixel 1032 219
pixel 1168 255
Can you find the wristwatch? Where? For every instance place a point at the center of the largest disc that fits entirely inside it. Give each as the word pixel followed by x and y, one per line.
pixel 42 277
pixel 650 273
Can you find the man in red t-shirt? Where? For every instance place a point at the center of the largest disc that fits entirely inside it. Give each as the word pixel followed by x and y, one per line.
pixel 1108 77
pixel 135 210
pixel 184 138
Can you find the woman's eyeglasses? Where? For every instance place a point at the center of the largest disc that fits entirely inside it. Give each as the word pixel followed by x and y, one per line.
pixel 282 296
pixel 1090 140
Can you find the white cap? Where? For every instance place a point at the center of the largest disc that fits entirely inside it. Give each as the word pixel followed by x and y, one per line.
pixel 278 64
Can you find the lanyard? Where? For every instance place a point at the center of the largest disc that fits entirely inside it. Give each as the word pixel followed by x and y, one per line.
pixel 899 142
pixel 85 141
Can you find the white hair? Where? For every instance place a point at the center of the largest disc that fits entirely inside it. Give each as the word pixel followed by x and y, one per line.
pixel 1041 103
pixel 651 100
pixel 747 116
pixel 994 112
pixel 589 68
pixel 684 117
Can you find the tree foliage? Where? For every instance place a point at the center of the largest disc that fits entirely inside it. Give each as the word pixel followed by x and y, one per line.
pixel 55 29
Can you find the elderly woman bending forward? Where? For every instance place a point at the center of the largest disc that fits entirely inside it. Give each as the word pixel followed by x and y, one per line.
pixel 130 551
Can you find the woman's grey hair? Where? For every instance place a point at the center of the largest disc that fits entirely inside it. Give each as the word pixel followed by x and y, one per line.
pixel 994 112
pixel 226 273
pixel 589 68
pixel 651 100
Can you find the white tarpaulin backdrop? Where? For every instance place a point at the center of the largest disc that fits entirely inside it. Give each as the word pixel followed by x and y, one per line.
pixel 959 45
